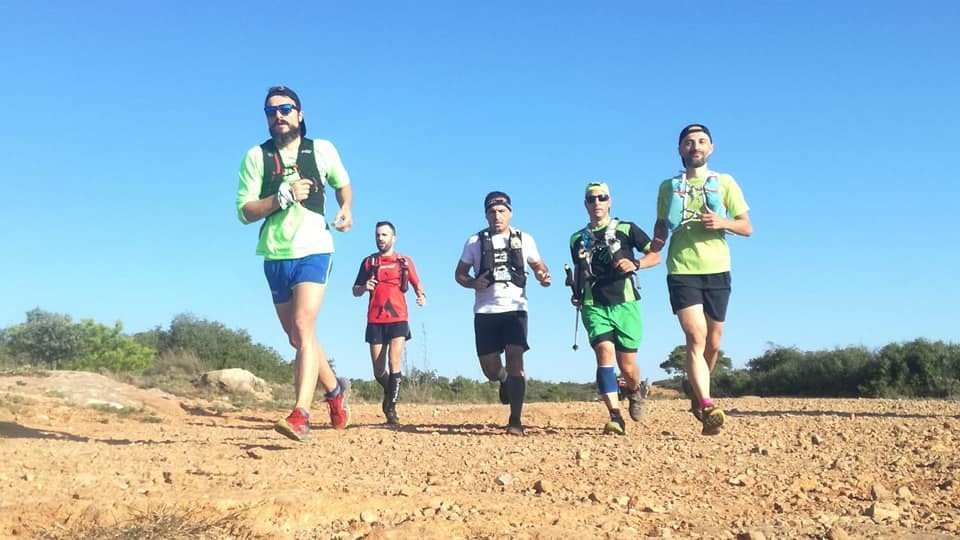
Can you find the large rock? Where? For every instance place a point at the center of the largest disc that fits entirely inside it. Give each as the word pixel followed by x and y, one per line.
pixel 238 381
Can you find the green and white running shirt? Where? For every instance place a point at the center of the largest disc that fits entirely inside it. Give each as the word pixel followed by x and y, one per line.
pixel 296 232
pixel 693 249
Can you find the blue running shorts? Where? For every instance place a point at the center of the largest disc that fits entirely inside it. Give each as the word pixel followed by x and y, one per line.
pixel 284 275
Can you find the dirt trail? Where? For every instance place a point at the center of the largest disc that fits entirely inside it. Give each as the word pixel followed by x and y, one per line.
pixel 783 468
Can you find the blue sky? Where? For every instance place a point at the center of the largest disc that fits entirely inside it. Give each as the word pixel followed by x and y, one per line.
pixel 126 123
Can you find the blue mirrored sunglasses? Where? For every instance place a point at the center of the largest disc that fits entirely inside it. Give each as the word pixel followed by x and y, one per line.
pixel 284 109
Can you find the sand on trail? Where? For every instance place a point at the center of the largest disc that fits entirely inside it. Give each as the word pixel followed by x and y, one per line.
pixel 782 468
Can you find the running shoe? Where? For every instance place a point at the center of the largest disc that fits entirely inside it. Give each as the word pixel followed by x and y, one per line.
pixel 636 406
pixel 339 411
pixel 295 426
pixel 514 427
pixel 713 420
pixel 616 425
pixel 393 418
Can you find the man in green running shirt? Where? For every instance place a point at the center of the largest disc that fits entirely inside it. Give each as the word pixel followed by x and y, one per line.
pixel 607 294
pixel 282 182
pixel 698 207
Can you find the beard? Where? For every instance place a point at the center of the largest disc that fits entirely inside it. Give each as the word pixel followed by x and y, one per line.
pixel 694 162
pixel 280 138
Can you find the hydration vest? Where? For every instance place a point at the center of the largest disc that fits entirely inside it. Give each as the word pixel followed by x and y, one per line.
pixel 306 166
pixel 590 244
pixel 678 212
pixel 505 265
pixel 404 270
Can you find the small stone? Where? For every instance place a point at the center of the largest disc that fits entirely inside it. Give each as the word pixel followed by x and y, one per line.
pixel 816 440
pixel 837 533
pixel 879 492
pixel 583 455
pixel 883 511
pixel 368 516
pixel 622 500
pixel 905 493
pixel 505 479
pixel 751 535
pixel 543 486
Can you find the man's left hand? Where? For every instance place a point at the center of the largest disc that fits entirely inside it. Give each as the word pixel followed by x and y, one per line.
pixel 343 220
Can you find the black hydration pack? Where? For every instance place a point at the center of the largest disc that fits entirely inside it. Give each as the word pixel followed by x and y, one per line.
pixel 306 166
pixel 505 265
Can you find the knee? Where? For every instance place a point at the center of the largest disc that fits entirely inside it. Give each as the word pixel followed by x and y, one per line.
pixel 696 341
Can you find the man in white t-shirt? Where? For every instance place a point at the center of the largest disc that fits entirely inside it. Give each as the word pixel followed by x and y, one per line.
pixel 498 256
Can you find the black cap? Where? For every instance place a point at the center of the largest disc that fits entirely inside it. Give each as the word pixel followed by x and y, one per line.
pixel 495 198
pixel 284 91
pixel 694 128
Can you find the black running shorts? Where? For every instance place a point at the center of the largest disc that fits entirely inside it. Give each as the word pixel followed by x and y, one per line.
pixel 494 331
pixel 380 333
pixel 711 290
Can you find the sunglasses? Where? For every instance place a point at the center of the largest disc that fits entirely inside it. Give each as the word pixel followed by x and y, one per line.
pixel 595 198
pixel 284 109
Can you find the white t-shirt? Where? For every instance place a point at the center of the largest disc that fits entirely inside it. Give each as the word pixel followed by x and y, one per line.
pixel 499 297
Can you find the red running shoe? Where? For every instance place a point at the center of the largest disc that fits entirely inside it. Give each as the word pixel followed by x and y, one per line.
pixel 295 426
pixel 339 412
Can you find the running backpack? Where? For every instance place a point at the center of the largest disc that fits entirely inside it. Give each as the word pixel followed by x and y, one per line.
pixel 306 166
pixel 505 265
pixel 679 213
pixel 404 270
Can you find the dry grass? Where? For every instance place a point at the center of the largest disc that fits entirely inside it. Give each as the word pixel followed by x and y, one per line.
pixel 161 523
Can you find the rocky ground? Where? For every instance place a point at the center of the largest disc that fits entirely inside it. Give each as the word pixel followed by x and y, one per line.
pixel 783 468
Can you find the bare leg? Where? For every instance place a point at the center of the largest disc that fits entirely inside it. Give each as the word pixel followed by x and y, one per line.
pixel 378 356
pixel 694 325
pixel 712 348
pixel 396 353
pixel 491 366
pixel 514 356
pixel 627 361
pixel 298 318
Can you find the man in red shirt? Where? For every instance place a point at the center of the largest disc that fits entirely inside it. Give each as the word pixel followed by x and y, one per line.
pixel 386 275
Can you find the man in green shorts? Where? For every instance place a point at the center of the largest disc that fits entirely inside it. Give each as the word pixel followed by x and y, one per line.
pixel 282 182
pixel 698 207
pixel 606 291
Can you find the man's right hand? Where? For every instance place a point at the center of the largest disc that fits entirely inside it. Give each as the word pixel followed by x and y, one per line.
pixel 301 188
pixel 575 301
pixel 482 281
pixel 371 284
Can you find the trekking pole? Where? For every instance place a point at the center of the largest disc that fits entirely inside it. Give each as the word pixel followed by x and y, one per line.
pixel 573 287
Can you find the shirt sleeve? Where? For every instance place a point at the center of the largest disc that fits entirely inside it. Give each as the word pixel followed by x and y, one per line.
pixel 529 246
pixel 471 252
pixel 733 197
pixel 639 238
pixel 328 161
pixel 363 272
pixel 251 180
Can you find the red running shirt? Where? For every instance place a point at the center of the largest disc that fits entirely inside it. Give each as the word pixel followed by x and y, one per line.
pixel 387 303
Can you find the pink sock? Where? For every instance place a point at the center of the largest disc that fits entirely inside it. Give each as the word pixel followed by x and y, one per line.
pixel 704 403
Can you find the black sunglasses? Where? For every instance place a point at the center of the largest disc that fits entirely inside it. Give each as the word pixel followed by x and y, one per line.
pixel 284 109
pixel 595 198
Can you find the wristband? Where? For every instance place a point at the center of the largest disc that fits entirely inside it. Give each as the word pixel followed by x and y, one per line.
pixel 285 196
